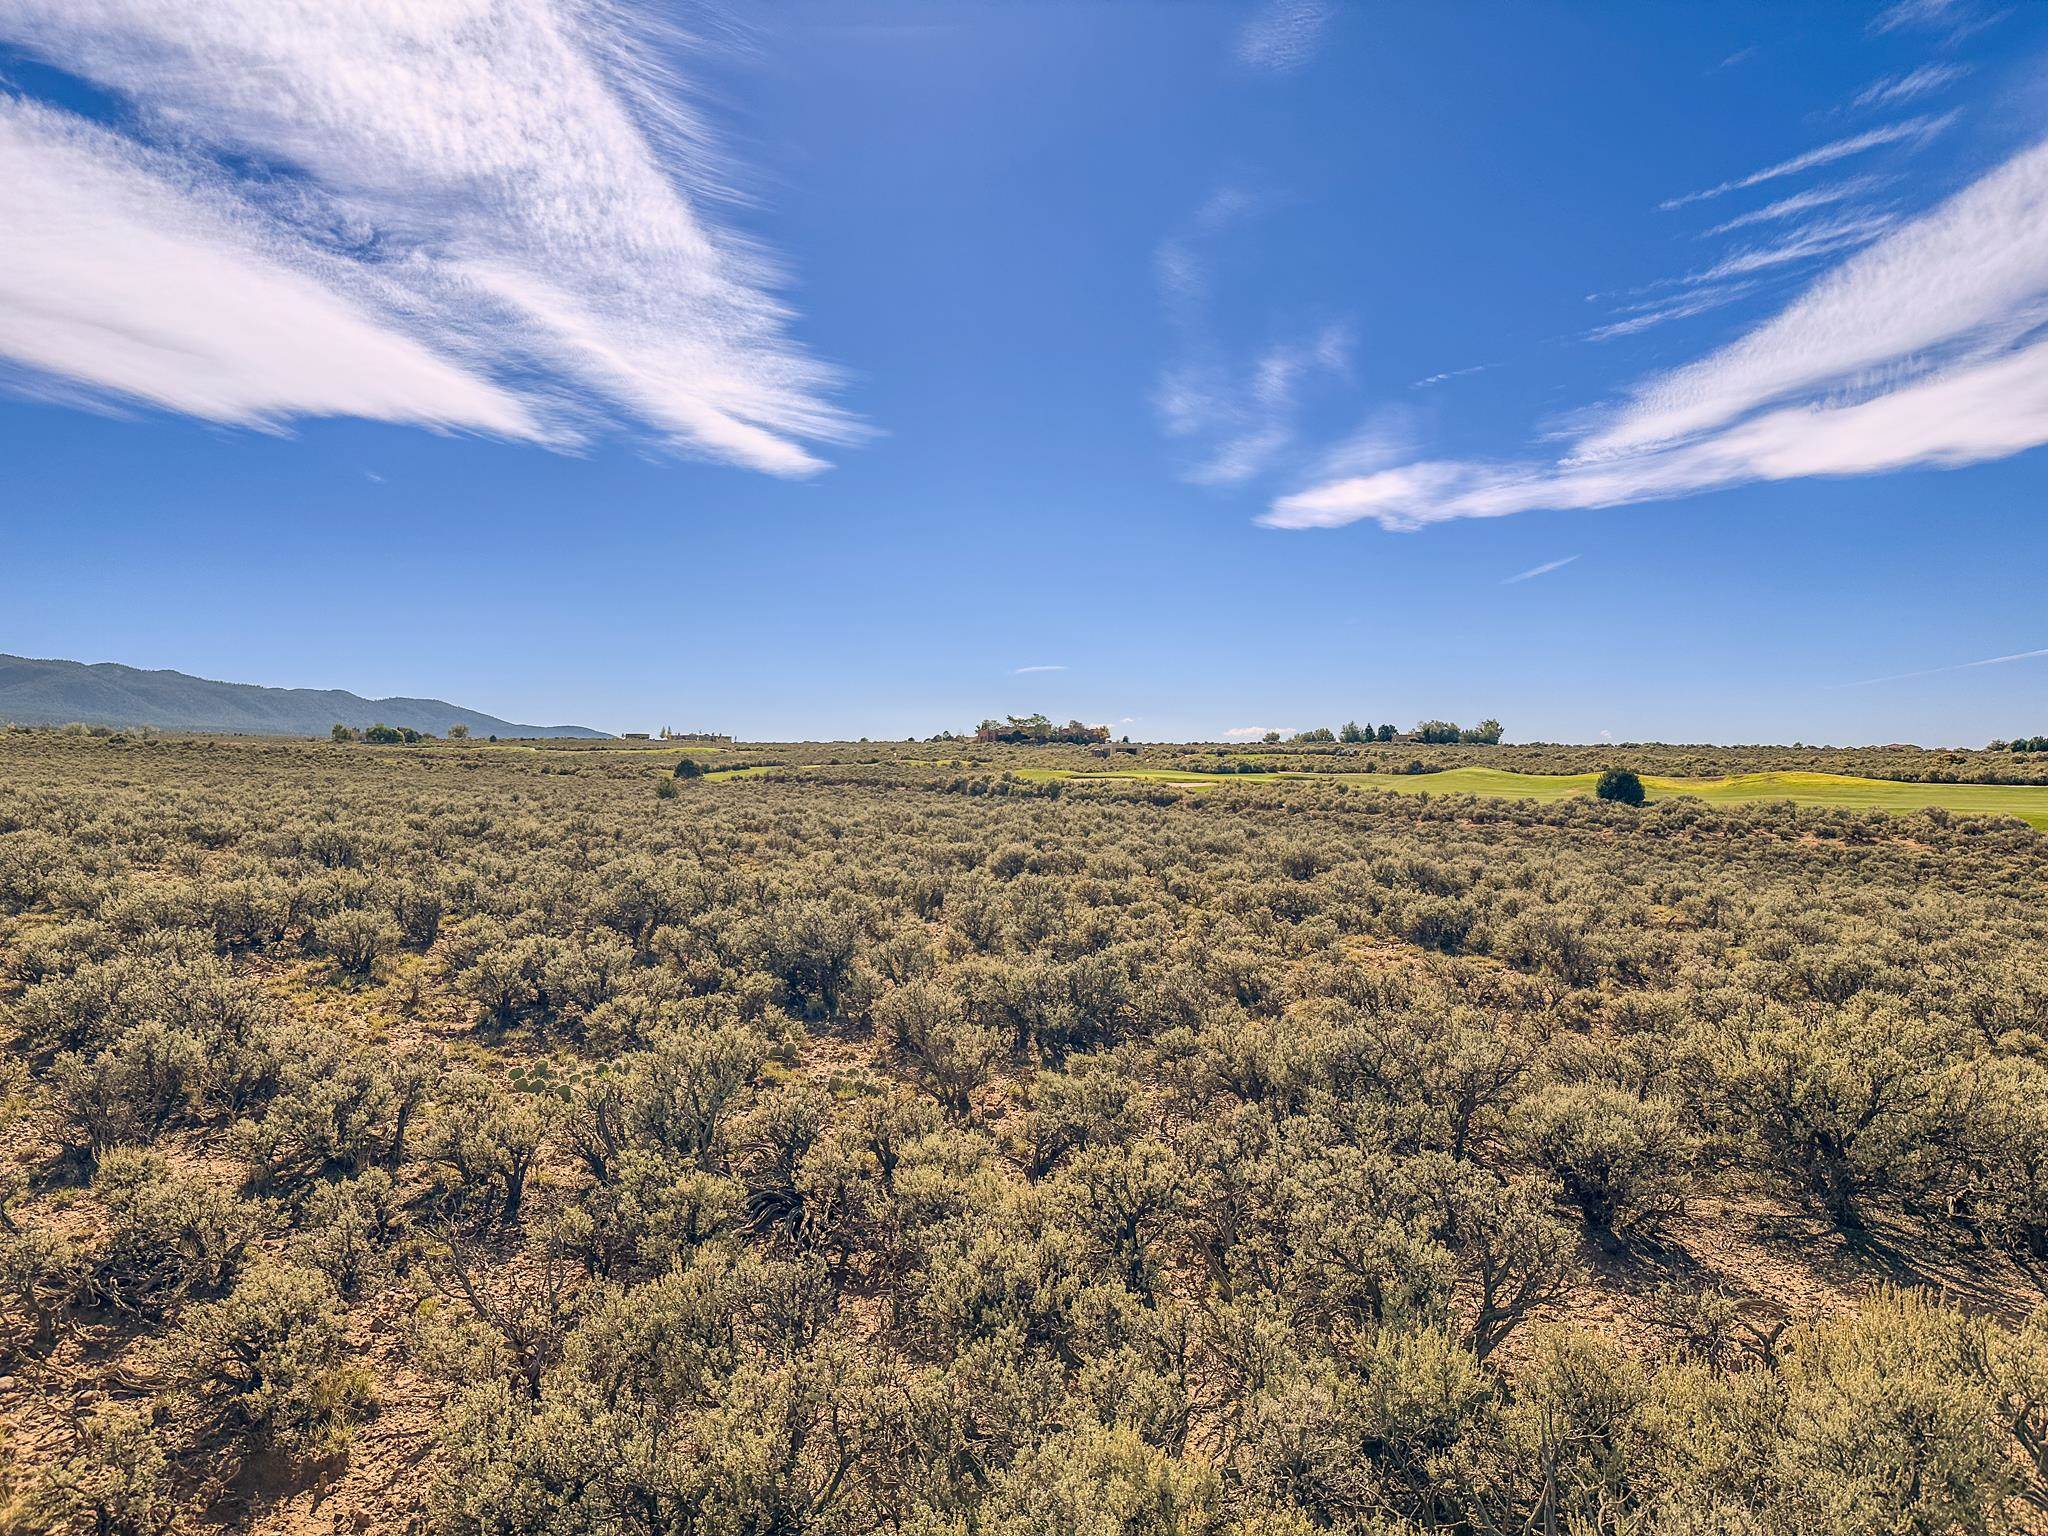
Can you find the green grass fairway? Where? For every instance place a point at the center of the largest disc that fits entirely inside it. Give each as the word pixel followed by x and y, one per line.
pixel 1150 776
pixel 1495 781
pixel 2029 802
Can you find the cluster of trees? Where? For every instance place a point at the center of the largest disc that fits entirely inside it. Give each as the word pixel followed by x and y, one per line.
pixel 1037 730
pixel 1486 733
pixel 914 1148
pixel 390 735
pixel 2020 744
pixel 1353 733
pixel 380 733
pixel 1433 732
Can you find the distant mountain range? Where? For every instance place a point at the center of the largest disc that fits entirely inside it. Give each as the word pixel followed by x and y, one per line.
pixel 58 692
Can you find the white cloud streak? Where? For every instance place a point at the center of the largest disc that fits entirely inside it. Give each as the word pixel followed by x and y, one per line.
pixel 1256 732
pixel 1987 410
pixel 508 189
pixel 1924 349
pixel 1454 373
pixel 1977 259
pixel 1955 18
pixel 1798 202
pixel 1248 420
pixel 1642 317
pixel 1914 13
pixel 1960 666
pixel 118 278
pixel 1238 417
pixel 1052 667
pixel 1815 240
pixel 1539 570
pixel 1284 34
pixel 1915 83
pixel 1915 130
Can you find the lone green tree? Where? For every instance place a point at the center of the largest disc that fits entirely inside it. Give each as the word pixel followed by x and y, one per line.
pixel 1620 785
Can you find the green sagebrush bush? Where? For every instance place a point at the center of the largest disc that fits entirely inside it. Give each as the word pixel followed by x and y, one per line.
pixel 265 1366
pixel 1622 1160
pixel 170 1237
pixel 115 1481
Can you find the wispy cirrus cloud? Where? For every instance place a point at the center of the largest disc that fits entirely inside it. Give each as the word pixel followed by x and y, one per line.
pixel 1798 202
pixel 1967 267
pixel 1182 263
pixel 1043 667
pixel 1914 13
pixel 1283 35
pixel 1910 86
pixel 1960 666
pixel 1235 414
pixel 1538 570
pixel 1453 373
pixel 1927 347
pixel 1954 19
pixel 119 278
pixel 1913 130
pixel 1741 272
pixel 480 217
pixel 1823 237
pixel 1242 419
pixel 1636 318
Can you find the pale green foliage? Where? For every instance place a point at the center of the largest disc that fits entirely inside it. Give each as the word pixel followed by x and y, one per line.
pixel 333 1109
pixel 1850 1103
pixel 168 1235
pixel 1890 1422
pixel 1622 1160
pixel 484 1141
pixel 1093 1481
pixel 266 1363
pixel 116 1480
pixel 355 938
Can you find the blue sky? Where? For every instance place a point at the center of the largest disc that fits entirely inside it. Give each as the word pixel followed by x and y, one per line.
pixel 830 370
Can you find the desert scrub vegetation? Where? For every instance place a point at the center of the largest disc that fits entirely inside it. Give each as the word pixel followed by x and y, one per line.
pixel 467 1139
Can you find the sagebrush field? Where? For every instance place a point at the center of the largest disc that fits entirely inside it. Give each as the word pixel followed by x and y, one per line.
pixel 493 1139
